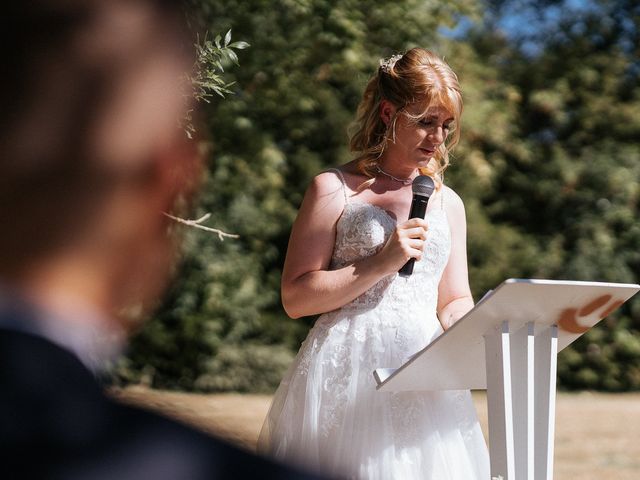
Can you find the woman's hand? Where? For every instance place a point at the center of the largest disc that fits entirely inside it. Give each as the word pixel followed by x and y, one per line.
pixel 406 242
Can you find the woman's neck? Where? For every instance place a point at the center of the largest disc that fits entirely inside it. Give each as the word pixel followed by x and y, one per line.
pixel 397 170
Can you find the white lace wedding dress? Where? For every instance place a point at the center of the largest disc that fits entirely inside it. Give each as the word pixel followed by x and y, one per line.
pixel 327 415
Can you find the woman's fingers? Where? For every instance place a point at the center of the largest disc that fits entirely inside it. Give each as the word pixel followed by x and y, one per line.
pixel 416 243
pixel 412 248
pixel 414 228
pixel 407 242
pixel 417 232
pixel 415 222
pixel 416 249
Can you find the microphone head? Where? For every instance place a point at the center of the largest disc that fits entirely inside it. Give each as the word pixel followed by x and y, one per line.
pixel 423 185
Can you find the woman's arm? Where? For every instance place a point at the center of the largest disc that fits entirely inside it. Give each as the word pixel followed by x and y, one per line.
pixel 454 294
pixel 308 287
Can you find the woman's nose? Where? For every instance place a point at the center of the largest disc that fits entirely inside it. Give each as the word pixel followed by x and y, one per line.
pixel 437 135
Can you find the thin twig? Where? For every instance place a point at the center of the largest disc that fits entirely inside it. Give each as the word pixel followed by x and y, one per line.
pixel 196 224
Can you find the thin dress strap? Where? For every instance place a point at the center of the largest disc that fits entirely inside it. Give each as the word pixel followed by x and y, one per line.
pixel 442 198
pixel 342 181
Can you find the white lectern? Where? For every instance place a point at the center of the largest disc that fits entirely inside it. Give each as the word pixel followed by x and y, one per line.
pixel 508 345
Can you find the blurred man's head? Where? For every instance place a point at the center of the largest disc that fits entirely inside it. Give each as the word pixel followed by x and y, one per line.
pixel 90 149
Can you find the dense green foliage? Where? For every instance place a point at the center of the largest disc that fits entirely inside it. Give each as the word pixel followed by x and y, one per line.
pixel 568 177
pixel 548 167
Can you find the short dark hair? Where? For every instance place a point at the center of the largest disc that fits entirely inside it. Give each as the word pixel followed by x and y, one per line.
pixel 53 90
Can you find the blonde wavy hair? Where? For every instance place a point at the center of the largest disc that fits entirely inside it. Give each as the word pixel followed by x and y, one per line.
pixel 417 78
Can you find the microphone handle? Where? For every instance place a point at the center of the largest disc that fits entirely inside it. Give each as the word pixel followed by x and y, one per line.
pixel 418 210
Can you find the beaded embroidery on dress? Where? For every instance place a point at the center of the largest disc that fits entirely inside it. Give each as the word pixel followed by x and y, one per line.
pixel 327 415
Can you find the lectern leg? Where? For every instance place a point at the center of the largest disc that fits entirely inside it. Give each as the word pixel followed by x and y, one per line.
pixel 546 354
pixel 498 361
pixel 521 396
pixel 523 390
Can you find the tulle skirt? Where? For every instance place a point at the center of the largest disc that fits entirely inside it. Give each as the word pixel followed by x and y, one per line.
pixel 327 415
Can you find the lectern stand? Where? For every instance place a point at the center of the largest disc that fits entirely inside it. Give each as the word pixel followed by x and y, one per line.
pixel 508 344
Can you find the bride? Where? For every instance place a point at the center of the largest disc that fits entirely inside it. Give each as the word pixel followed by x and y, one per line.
pixel 349 240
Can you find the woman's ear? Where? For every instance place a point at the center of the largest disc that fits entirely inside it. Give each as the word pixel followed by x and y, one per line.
pixel 387 111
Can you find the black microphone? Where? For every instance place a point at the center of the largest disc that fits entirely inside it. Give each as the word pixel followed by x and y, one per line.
pixel 422 188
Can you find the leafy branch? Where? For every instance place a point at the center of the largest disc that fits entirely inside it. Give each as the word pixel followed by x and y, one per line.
pixel 209 67
pixel 207 78
pixel 206 81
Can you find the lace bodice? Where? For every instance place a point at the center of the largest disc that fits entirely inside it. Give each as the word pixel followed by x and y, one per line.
pixel 363 229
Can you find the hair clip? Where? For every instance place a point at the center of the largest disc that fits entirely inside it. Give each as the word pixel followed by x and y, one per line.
pixel 387 65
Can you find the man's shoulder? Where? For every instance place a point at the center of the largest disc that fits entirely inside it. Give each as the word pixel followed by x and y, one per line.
pixel 51 403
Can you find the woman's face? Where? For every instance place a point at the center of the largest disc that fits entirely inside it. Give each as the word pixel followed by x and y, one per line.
pixel 417 137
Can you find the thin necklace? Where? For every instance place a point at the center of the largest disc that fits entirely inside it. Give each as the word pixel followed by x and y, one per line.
pixel 404 181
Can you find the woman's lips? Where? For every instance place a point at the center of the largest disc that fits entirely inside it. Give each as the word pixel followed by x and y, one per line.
pixel 428 151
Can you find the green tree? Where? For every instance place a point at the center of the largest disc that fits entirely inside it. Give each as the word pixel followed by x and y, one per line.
pixel 568 180
pixel 295 95
pixel 548 168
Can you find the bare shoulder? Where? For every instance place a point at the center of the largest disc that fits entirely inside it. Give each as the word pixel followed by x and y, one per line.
pixel 324 198
pixel 338 179
pixel 451 197
pixel 326 187
pixel 327 181
pixel 453 204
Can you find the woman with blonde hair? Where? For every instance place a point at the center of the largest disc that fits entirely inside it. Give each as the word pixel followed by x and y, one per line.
pixel 347 244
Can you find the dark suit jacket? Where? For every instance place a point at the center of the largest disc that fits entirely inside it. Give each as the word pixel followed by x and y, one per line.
pixel 56 422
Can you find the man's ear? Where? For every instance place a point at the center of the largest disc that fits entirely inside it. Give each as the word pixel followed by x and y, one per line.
pixel 178 173
pixel 387 111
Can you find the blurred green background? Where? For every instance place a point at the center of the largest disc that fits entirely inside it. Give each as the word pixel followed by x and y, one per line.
pixel 548 168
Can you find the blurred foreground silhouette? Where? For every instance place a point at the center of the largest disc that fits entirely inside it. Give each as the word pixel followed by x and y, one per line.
pixel 91 156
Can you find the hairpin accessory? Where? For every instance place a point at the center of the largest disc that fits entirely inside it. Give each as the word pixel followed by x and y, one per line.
pixel 387 65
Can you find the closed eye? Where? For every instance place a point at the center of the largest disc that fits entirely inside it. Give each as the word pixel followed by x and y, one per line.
pixel 430 122
pixel 427 122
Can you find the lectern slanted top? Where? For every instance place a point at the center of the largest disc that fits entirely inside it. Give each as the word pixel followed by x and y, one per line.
pixel 456 359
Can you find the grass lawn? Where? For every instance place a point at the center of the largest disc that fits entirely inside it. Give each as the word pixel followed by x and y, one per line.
pixel 597 434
